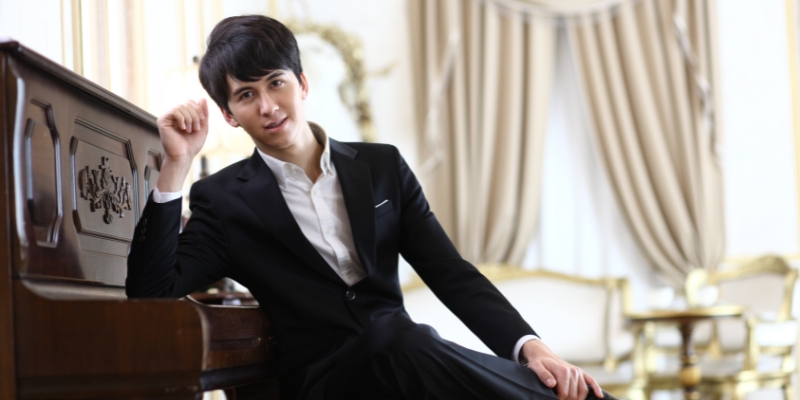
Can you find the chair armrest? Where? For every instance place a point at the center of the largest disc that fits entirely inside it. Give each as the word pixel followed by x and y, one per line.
pixel 769 333
pixel 764 335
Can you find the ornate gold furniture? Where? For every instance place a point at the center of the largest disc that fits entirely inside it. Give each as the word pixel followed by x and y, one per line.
pixel 738 355
pixel 757 350
pixel 580 319
pixel 689 374
pixel 77 165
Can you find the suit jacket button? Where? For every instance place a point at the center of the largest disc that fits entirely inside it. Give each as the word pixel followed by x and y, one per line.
pixel 350 294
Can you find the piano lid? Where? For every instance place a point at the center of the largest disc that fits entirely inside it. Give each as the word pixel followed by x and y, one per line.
pixel 78 82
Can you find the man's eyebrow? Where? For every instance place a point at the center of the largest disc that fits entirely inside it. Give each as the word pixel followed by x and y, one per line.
pixel 269 76
pixel 273 74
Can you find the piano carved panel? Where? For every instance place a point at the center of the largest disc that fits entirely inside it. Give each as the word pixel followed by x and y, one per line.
pixel 104 192
pixel 43 172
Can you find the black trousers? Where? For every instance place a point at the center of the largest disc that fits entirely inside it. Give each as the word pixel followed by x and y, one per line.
pixel 396 358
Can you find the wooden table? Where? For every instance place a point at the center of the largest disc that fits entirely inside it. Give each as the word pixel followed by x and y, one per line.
pixel 689 374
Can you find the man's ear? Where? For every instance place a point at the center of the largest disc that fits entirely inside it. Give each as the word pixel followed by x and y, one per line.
pixel 229 118
pixel 303 86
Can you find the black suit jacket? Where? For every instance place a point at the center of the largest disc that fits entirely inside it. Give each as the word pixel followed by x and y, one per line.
pixel 242 228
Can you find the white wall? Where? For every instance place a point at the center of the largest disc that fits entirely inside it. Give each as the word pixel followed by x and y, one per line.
pixel 37 25
pixel 759 147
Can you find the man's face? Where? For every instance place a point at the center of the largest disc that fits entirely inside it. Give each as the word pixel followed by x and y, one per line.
pixel 270 109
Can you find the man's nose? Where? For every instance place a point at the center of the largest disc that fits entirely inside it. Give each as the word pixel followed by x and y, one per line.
pixel 268 105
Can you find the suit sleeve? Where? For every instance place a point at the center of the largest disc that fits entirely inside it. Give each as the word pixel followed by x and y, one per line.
pixel 456 282
pixel 164 263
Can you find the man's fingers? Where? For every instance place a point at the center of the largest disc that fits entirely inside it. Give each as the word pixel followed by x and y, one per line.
pixel 575 384
pixel 569 381
pixel 544 375
pixel 594 385
pixel 563 387
pixel 195 112
pixel 582 388
pixel 183 130
pixel 183 119
pixel 189 117
pixel 203 107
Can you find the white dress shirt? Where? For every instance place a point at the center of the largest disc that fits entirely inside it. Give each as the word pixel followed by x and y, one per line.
pixel 319 209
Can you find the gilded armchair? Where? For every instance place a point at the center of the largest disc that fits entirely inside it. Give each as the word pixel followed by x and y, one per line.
pixel 736 355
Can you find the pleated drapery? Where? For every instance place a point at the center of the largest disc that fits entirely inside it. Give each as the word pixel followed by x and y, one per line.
pixel 647 73
pixel 487 74
pixel 486 69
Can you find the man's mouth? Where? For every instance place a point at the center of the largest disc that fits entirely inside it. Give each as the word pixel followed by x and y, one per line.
pixel 276 124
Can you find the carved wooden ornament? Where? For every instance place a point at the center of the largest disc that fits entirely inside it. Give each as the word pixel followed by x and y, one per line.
pixel 106 191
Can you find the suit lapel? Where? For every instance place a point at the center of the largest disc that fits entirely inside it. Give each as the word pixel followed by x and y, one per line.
pixel 262 193
pixel 356 182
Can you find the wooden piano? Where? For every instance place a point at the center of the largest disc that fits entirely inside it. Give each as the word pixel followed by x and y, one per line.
pixel 77 165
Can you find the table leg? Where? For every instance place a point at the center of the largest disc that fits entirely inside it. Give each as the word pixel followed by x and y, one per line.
pixel 689 374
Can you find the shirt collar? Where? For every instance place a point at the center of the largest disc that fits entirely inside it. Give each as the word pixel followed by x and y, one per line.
pixel 284 170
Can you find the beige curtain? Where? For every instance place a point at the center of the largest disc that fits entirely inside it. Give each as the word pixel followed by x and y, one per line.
pixel 647 72
pixel 558 8
pixel 485 73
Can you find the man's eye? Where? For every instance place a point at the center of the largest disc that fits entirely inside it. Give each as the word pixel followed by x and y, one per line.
pixel 277 83
pixel 247 95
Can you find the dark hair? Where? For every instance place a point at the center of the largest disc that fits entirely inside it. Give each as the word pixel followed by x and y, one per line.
pixel 246 47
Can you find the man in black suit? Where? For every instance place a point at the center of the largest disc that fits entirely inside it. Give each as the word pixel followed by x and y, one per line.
pixel 314 227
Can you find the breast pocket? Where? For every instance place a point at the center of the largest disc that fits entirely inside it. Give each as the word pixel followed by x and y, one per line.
pixel 383 207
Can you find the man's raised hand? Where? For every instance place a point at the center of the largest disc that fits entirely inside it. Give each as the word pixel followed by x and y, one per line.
pixel 183 131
